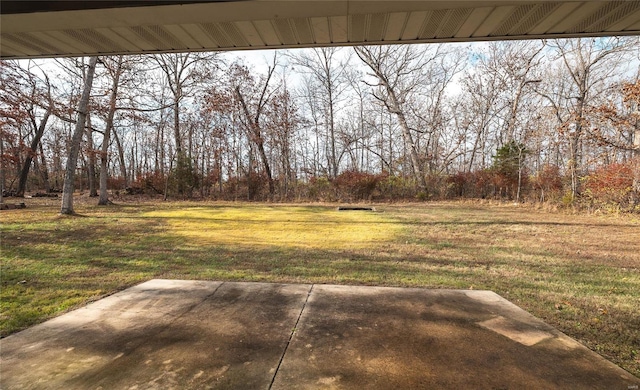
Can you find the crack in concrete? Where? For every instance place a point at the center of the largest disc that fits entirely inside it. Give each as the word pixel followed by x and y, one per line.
pixel 190 308
pixel 293 331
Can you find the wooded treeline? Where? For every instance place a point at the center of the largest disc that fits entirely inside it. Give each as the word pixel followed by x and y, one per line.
pixel 526 120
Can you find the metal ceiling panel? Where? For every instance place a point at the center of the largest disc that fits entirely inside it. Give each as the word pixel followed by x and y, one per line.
pixel 248 30
pixel 183 36
pixel 629 22
pixel 198 34
pixel 339 29
pixel 268 33
pixel 495 19
pixel 395 26
pixel 451 27
pixel 562 12
pixel 321 31
pixel 414 24
pixel 79 28
pixel 473 22
pixel 617 13
pixel 533 18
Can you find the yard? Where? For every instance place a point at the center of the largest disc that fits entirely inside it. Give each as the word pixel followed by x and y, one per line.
pixel 579 273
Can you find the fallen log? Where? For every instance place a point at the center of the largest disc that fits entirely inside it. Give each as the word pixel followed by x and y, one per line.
pixel 44 195
pixel 12 206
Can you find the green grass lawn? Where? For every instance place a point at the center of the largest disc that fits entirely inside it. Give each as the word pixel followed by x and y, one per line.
pixel 580 273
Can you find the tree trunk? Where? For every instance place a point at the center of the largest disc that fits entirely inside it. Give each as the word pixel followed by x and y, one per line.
pixel 265 162
pixel 91 168
pixel 176 121
pixel 574 146
pixel 415 160
pixel 72 160
pixel 33 150
pixel 1 168
pixel 180 158
pixel 121 158
pixel 104 158
pixel 636 161
pixel 332 130
pixel 45 169
pixel 520 163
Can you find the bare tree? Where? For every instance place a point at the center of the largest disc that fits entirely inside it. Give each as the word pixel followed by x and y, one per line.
pixel 400 71
pixel 326 68
pixel 183 75
pixel 514 68
pixel 91 159
pixel 253 110
pixel 616 127
pixel 13 115
pixel 36 98
pixel 72 159
pixel 115 69
pixel 476 114
pixel 257 137
pixel 308 94
pixel 282 121
pixel 589 65
pixel 390 110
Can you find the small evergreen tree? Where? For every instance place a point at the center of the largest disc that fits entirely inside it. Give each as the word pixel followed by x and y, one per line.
pixel 184 176
pixel 508 165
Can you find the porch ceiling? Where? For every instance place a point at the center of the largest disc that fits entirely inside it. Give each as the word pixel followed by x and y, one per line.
pixel 78 28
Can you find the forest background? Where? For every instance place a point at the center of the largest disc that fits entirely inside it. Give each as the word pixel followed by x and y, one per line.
pixel 553 121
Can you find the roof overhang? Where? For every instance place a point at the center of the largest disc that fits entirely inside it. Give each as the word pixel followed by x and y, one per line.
pixel 79 28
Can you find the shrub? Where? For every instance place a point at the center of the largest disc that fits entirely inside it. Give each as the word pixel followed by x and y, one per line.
pixel 396 187
pixel 437 187
pixel 458 184
pixel 116 182
pixel 153 182
pixel 320 189
pixel 210 182
pixel 610 186
pixel 253 187
pixel 477 184
pixel 356 185
pixel 548 183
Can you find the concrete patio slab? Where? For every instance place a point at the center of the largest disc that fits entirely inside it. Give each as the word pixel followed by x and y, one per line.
pixel 169 334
